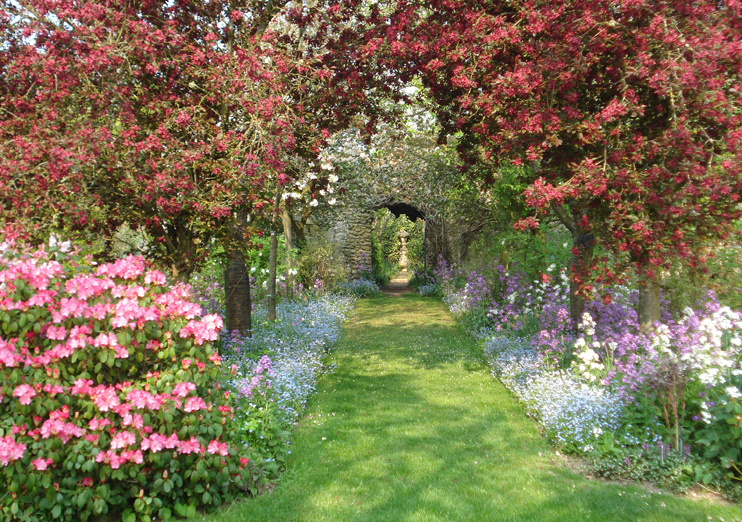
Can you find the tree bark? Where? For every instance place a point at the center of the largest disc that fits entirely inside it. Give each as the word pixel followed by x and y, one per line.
pixel 272 261
pixel 238 299
pixel 582 254
pixel 287 234
pixel 649 300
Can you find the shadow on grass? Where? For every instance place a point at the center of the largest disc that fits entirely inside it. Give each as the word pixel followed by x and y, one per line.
pixel 411 427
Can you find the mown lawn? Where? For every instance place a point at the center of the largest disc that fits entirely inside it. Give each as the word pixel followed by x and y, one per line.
pixel 411 426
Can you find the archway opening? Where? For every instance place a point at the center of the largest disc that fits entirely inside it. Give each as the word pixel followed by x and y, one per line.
pixel 399 209
pixel 398 234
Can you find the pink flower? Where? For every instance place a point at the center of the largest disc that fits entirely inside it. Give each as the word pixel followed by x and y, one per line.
pixel 123 439
pixel 190 446
pixel 135 420
pixel 41 464
pixel 25 393
pixel 154 277
pixel 96 424
pixel 194 404
pixel 216 447
pixel 110 458
pixel 62 430
pixel 81 387
pixel 128 268
pixel 53 390
pixel 103 339
pixel 56 333
pixel 142 399
pixel 183 388
pixel 10 450
pixel 8 354
pixel 106 398
pixel 87 482
pixel 133 456
pixel 155 443
pixel 172 441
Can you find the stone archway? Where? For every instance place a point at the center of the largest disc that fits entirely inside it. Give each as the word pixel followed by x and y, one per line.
pixel 351 231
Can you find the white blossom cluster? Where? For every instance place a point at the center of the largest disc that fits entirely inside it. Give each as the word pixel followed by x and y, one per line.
pixel 457 302
pixel 429 289
pixel 572 412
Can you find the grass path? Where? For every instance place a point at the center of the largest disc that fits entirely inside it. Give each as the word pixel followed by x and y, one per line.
pixel 411 426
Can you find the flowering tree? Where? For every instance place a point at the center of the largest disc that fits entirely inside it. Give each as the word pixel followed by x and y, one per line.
pixel 171 117
pixel 630 112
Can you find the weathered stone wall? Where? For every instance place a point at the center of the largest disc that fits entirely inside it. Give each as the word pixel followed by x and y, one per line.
pixel 350 231
pixel 351 235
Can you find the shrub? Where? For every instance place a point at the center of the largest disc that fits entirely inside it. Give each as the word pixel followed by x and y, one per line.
pixel 359 288
pixel 318 265
pixel 108 404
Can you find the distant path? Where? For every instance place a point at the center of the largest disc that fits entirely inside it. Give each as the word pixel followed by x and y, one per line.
pixel 412 427
pixel 399 285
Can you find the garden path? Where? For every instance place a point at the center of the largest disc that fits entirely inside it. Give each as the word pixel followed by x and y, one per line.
pixel 411 426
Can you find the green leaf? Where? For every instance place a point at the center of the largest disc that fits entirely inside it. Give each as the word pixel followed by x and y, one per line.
pixel 181 510
pixel 129 516
pixel 56 511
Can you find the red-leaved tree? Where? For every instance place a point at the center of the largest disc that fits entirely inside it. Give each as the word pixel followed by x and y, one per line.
pixel 628 114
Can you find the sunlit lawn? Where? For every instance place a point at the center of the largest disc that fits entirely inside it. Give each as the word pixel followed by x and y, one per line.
pixel 411 426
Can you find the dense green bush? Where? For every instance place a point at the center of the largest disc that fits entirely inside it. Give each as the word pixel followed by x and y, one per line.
pixel 318 263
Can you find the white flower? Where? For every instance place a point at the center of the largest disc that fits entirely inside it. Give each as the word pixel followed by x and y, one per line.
pixel 333 178
pixel 733 392
pixel 332 201
pixel 313 203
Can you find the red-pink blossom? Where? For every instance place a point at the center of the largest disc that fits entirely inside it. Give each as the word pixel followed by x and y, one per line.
pixel 10 450
pixel 216 447
pixel 25 394
pixel 122 439
pixel 183 388
pixel 41 464
pixel 194 404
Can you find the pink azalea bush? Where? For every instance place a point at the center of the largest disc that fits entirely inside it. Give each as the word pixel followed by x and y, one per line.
pixel 108 401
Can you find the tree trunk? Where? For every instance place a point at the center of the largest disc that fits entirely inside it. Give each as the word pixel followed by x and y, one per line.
pixel 238 300
pixel 579 265
pixel 286 218
pixel 582 253
pixel 272 261
pixel 649 300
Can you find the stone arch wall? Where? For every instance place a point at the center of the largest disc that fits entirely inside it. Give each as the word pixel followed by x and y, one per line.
pixel 351 231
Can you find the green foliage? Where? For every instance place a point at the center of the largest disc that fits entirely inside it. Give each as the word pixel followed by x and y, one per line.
pixel 532 251
pixel 361 288
pixel 656 464
pixel 264 428
pixel 383 269
pixel 318 261
pixel 386 231
pixel 722 439
pixel 685 285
